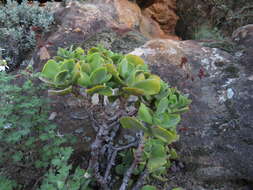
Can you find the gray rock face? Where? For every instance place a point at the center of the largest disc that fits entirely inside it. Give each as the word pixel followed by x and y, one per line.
pixel 217 133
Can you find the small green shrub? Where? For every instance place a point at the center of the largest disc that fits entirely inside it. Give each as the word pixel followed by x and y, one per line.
pixel 116 77
pixel 19 25
pixel 59 177
pixel 31 149
pixel 205 32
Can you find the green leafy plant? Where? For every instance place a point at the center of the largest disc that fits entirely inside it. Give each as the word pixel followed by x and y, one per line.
pixel 148 187
pixel 20 26
pixel 205 32
pixel 30 146
pixel 59 176
pixel 6 183
pixel 115 77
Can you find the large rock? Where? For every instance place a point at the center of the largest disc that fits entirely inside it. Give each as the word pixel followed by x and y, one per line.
pixel 216 142
pixel 78 22
pixel 157 19
pixel 163 12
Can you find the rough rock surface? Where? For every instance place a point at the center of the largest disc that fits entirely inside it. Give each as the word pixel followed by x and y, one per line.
pixel 216 142
pixel 77 23
pixel 158 20
pixel 163 12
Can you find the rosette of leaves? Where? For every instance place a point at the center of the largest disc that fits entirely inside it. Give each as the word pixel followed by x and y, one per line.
pixel 100 71
pixel 158 117
pixel 161 121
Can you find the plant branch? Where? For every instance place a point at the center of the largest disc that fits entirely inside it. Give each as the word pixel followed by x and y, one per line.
pixel 141 180
pixel 113 157
pixel 95 152
pixel 137 158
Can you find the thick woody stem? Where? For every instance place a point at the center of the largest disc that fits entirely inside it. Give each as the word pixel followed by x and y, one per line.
pixel 113 157
pixel 103 135
pixel 94 161
pixel 137 158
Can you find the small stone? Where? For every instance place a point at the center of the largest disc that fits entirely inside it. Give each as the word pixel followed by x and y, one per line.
pixel 230 93
pixel 7 126
pixel 250 78
pixel 95 99
pixel 77 30
pixel 131 109
pixel 52 116
pixel 181 165
pixel 132 98
pixel 80 130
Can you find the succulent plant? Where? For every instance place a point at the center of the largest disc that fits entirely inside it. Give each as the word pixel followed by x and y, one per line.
pixel 103 72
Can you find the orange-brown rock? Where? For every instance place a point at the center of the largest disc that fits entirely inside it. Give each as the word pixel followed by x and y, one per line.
pixel 128 12
pixel 163 12
pixel 157 21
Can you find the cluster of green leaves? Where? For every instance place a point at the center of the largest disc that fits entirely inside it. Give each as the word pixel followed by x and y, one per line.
pixel 17 28
pixel 156 157
pixel 103 72
pixel 60 177
pixel 28 141
pixel 100 71
pixel 208 32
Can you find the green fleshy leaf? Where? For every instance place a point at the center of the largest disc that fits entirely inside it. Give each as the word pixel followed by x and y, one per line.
pixel 165 135
pixel 95 60
pixel 50 69
pixel 149 86
pixel 148 187
pixel 112 69
pixel 158 157
pixel 136 60
pixel 173 154
pixel 162 105
pixel 76 73
pixel 96 89
pixel 93 50
pixel 132 123
pixel 67 64
pixel 134 91
pixel 140 77
pixel 106 91
pixel 98 75
pixel 85 67
pixel 61 77
pixel 166 120
pixel 61 92
pixel 125 68
pixel 84 80
pixel 78 52
pixel 144 114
